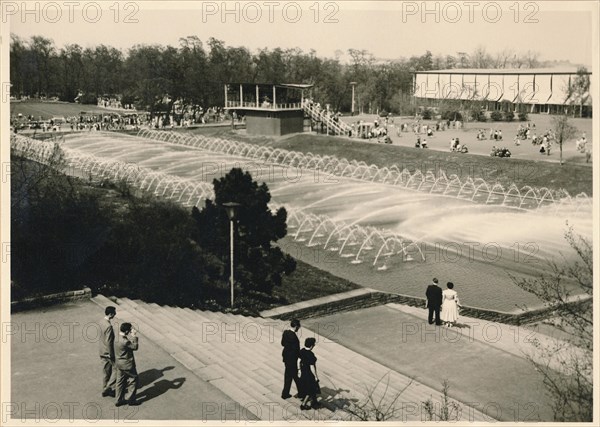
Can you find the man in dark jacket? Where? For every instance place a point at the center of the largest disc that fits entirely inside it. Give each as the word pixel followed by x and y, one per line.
pixel 291 352
pixel 434 301
pixel 107 352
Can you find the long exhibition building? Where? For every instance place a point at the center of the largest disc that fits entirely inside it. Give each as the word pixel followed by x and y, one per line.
pixel 541 90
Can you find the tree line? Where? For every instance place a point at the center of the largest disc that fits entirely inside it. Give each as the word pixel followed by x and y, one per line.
pixel 153 77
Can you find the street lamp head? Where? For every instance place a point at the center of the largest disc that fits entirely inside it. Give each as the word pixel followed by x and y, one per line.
pixel 231 209
pixel 353 83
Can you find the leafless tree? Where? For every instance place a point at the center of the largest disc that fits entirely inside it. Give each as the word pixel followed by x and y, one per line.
pixel 448 410
pixel 563 131
pixel 567 290
pixel 379 404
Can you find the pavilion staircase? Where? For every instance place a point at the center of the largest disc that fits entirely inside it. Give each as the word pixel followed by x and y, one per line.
pixel 241 356
pixel 319 115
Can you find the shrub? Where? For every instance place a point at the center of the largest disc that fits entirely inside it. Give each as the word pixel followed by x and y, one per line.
pixel 509 116
pixel 408 110
pixel 427 114
pixel 452 115
pixel 88 98
pixel 478 115
pixel 496 116
pixel 523 117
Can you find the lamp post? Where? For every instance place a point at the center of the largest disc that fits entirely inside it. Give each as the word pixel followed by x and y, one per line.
pixel 353 84
pixel 231 209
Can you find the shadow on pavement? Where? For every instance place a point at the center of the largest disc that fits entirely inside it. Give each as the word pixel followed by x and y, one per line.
pixel 149 376
pixel 159 388
pixel 333 400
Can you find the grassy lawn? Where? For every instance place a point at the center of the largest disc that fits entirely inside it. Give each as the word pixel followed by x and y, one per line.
pixel 308 282
pixel 54 109
pixel 572 177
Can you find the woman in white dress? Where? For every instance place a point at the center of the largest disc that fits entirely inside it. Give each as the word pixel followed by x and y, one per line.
pixel 450 305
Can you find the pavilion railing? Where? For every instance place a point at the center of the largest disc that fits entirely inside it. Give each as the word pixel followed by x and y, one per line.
pixel 265 105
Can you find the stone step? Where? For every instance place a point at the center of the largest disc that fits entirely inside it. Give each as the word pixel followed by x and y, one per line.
pixel 163 320
pixel 130 303
pixel 150 320
pixel 209 355
pixel 247 402
pixel 101 300
pixel 138 318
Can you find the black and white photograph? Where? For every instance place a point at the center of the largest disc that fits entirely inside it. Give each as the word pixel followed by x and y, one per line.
pixel 299 212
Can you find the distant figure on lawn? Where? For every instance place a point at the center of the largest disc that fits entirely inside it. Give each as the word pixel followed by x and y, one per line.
pixel 450 305
pixel 290 354
pixel 107 352
pixel 309 378
pixel 127 376
pixel 434 301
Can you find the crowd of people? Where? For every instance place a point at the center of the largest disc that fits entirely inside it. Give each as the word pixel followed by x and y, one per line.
pixel 111 102
pixel 457 147
pixel 115 121
pixel 494 134
pixel 543 142
pixel 500 152
pixel 526 131
pixel 81 122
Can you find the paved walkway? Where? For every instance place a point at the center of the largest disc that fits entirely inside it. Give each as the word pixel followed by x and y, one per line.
pixel 208 366
pixel 490 376
pixel 56 374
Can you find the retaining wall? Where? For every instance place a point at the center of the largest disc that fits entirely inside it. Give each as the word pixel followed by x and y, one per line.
pixel 364 298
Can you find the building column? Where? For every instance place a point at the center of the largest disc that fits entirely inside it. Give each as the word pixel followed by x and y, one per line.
pixel 225 89
pixel 274 99
pixel 241 96
pixel 257 101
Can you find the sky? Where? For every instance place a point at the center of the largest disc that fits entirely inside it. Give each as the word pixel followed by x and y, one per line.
pixel 389 30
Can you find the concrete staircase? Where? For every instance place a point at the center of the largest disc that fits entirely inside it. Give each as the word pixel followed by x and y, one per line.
pixel 320 116
pixel 242 357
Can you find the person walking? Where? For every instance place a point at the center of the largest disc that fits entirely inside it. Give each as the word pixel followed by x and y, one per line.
pixel 434 301
pixel 127 376
pixel 290 354
pixel 450 305
pixel 309 378
pixel 107 352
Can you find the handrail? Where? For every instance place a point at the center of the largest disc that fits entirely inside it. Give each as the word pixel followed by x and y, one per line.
pixel 338 127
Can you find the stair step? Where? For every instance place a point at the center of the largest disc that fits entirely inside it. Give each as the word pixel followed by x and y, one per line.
pixel 103 301
pixel 240 396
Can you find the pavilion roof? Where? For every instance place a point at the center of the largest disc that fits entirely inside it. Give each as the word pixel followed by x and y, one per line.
pixel 283 85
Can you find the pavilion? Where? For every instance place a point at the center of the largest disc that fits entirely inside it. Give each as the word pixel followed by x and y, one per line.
pixel 270 109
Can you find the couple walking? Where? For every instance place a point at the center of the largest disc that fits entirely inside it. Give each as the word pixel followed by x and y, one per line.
pixel 443 304
pixel 308 382
pixel 119 374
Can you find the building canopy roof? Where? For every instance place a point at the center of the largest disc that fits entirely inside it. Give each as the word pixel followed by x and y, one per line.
pixel 563 70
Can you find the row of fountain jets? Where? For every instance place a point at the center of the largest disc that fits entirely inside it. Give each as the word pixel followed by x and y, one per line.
pixel 349 240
